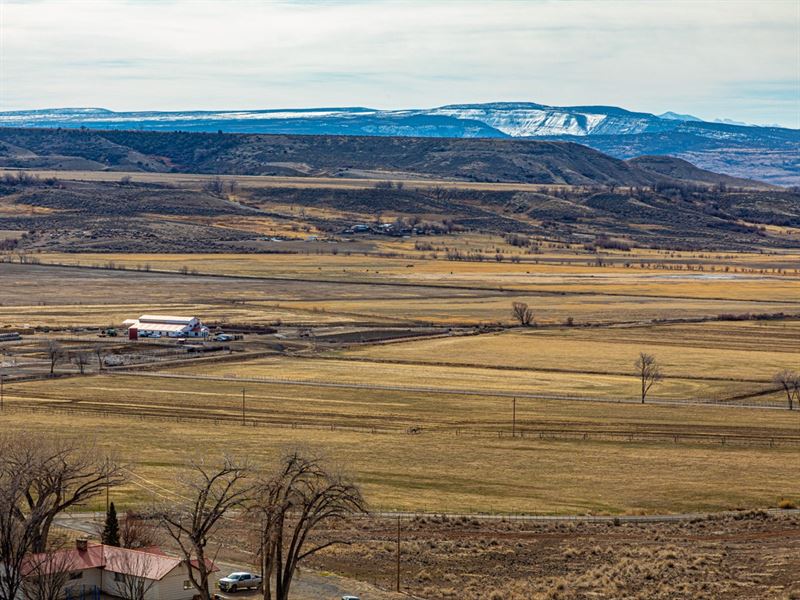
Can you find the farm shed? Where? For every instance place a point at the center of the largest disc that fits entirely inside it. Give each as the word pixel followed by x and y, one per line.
pixel 165 326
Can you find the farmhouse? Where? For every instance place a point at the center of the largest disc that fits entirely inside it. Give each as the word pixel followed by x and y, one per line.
pixel 165 326
pixel 89 570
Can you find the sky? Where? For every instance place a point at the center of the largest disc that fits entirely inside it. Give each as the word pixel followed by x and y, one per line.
pixel 713 59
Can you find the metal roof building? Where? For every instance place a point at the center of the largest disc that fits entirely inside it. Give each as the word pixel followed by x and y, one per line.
pixel 165 326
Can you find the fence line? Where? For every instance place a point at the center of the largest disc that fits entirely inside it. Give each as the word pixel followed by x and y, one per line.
pixel 521 434
pixel 729 402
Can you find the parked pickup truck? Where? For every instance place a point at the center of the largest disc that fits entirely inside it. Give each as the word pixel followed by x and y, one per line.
pixel 239 581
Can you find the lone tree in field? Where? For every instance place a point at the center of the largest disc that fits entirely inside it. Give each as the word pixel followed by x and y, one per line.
pixel 54 353
pixel 213 491
pixel 522 313
pixel 790 382
pixel 81 359
pixel 298 501
pixel 648 371
pixel 98 352
pixel 110 536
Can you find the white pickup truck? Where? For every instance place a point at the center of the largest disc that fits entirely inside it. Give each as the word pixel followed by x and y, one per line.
pixel 239 581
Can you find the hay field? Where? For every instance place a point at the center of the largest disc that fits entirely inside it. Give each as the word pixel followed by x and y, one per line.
pixel 323 288
pixel 320 405
pixel 548 308
pixel 39 295
pixel 477 379
pixel 550 274
pixel 739 351
pixel 445 472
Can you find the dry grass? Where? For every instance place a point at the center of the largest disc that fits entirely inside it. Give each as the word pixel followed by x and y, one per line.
pixel 344 286
pixel 380 408
pixel 267 181
pixel 439 472
pixel 742 557
pixel 751 350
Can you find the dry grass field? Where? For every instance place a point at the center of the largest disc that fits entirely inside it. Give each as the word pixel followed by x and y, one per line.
pixel 358 402
pixel 192 180
pixel 343 288
pixel 575 382
pixel 738 557
pixel 710 353
pixel 445 472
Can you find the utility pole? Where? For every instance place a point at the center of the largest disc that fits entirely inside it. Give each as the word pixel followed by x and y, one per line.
pixel 107 491
pixel 2 369
pixel 514 417
pixel 398 553
pixel 243 407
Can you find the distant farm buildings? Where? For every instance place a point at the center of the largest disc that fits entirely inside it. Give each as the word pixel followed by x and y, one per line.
pixel 156 326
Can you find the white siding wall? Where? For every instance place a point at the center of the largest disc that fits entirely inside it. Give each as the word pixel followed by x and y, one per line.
pixel 87 583
pixel 171 586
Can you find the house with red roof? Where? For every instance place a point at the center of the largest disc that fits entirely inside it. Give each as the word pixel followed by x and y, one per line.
pixel 94 569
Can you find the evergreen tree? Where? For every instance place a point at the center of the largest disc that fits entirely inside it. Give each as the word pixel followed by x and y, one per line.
pixel 110 535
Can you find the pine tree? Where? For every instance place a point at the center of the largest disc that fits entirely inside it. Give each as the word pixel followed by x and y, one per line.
pixel 110 535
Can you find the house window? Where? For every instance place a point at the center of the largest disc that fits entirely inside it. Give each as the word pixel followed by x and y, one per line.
pixel 76 575
pixel 187 585
pixel 119 577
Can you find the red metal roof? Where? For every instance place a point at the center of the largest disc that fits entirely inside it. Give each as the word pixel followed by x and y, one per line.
pixel 150 563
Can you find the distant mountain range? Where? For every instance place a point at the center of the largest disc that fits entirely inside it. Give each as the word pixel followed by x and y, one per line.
pixel 770 154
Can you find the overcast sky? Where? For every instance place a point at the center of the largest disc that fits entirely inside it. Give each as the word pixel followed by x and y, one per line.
pixel 727 58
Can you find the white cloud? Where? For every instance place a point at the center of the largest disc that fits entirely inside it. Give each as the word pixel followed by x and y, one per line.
pixel 654 56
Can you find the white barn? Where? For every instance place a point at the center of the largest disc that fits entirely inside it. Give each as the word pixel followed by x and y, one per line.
pixel 165 326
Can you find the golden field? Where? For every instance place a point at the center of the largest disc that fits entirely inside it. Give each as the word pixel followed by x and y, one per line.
pixel 436 472
pixel 457 389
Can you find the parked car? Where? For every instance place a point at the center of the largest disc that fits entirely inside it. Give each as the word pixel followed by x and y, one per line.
pixel 350 598
pixel 239 581
pixel 223 337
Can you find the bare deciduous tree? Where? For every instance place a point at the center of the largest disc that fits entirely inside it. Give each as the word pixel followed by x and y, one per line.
pixel 438 192
pixel 522 313
pixel 81 359
pixel 648 371
pixel 16 536
pixel 213 491
pixel 64 474
pixel 46 574
pixel 131 570
pixel 98 352
pixel 291 504
pixel 135 532
pixel 54 353
pixel 790 382
pixel 215 186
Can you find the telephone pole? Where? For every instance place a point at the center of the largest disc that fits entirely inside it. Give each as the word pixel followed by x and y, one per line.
pixel 243 407
pixel 514 417
pixel 398 553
